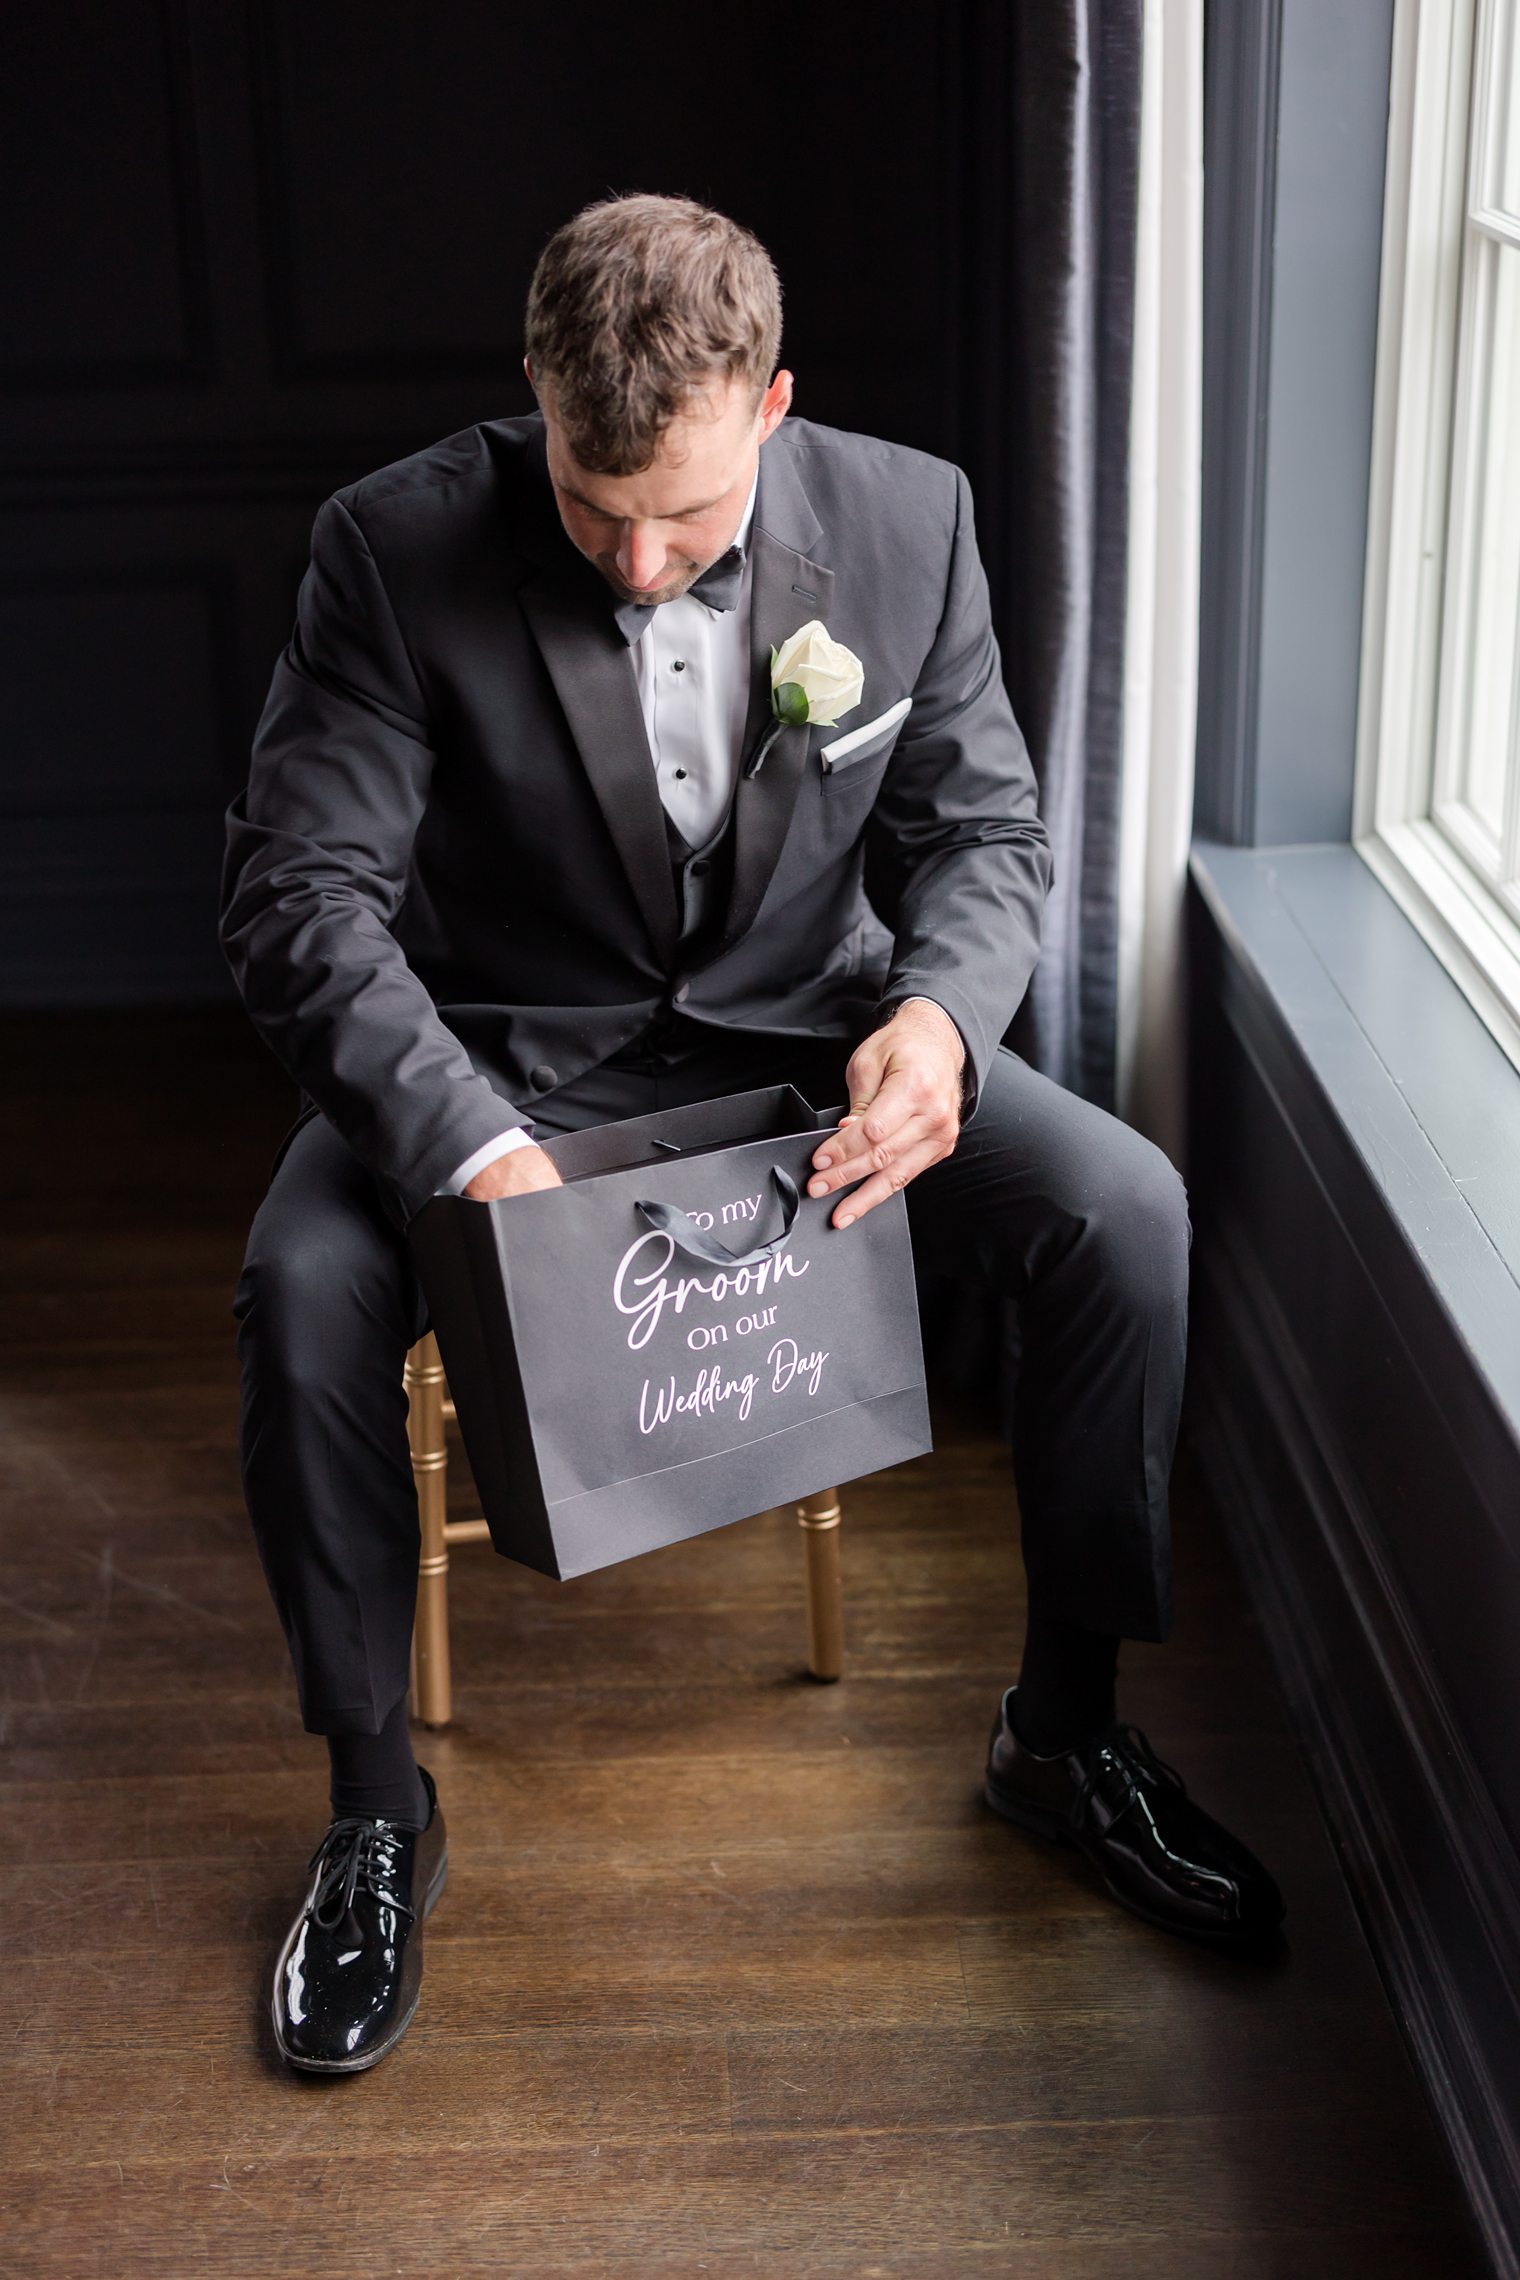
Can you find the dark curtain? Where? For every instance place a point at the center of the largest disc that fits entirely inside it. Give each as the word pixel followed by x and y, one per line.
pixel 1047 95
pixel 1044 137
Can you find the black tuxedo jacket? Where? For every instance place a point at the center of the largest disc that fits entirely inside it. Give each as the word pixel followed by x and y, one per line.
pixel 447 884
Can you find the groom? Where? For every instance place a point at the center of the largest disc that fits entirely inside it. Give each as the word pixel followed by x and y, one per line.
pixel 505 866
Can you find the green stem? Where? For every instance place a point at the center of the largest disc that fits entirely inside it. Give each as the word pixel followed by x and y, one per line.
pixel 757 761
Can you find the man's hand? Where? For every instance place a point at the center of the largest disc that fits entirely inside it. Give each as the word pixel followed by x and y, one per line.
pixel 517 1173
pixel 905 1109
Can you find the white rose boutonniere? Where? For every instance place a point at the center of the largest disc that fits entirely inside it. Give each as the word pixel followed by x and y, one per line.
pixel 813 678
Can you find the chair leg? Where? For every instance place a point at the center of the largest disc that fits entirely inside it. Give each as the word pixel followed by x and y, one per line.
pixel 432 1697
pixel 819 1517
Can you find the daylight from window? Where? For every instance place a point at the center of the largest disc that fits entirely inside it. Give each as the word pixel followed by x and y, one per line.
pixel 1439 766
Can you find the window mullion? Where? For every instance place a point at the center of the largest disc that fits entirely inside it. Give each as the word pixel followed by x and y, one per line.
pixel 1462 468
pixel 1509 852
pixel 1495 224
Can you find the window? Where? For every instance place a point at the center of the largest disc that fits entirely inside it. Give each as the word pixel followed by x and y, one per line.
pixel 1438 773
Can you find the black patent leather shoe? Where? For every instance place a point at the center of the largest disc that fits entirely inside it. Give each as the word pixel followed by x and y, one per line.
pixel 350 1973
pixel 1129 1811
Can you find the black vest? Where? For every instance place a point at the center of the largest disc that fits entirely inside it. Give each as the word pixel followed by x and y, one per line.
pixel 702 877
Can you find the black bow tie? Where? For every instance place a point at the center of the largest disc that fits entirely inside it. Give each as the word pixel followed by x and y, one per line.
pixel 718 586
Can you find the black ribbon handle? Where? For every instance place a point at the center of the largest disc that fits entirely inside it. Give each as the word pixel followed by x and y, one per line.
pixel 687 1236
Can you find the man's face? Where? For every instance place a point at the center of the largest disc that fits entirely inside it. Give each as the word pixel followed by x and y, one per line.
pixel 650 535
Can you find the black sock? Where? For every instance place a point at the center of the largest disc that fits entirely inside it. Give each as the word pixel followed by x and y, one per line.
pixel 377 1773
pixel 1066 1684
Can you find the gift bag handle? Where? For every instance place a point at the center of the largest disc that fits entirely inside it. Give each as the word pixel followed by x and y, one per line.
pixel 687 1236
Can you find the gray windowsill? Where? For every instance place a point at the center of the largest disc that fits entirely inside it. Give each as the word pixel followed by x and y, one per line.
pixel 1429 1101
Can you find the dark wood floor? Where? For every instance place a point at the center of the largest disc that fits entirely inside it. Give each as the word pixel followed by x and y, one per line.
pixel 734 1974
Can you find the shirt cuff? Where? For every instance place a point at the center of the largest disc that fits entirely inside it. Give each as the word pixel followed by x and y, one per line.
pixel 502 1145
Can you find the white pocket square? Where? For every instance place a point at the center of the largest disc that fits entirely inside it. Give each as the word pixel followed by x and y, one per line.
pixel 843 746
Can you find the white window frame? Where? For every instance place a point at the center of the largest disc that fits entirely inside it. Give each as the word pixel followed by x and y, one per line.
pixel 1437 164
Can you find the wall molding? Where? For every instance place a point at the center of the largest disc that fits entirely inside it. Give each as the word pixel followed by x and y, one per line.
pixel 203 470
pixel 120 912
pixel 291 360
pixel 1241 70
pixel 195 366
pixel 1295 131
pixel 212 585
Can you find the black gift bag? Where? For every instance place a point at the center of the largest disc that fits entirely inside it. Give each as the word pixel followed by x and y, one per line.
pixel 674 1339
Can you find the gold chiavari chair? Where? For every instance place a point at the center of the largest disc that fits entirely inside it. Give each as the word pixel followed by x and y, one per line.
pixel 428 1413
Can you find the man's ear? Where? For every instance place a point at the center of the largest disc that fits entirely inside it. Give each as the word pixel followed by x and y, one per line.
pixel 528 368
pixel 775 403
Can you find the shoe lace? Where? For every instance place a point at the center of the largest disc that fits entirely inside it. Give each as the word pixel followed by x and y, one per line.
pixel 355 1850
pixel 1124 1748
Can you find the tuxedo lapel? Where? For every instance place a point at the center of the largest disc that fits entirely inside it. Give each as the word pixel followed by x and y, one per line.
pixel 787 589
pixel 570 616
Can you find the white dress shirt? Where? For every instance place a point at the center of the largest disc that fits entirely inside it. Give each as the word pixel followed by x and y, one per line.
pixel 691 664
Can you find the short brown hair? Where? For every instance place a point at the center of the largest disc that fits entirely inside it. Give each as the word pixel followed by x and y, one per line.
pixel 636 305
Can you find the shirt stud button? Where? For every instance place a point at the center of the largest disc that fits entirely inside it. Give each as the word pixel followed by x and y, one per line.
pixel 678 665
pixel 680 771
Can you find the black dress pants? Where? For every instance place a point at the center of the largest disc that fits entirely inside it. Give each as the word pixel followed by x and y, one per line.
pixel 1059 1206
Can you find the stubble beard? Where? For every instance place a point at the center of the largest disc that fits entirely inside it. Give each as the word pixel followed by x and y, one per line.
pixel 671 591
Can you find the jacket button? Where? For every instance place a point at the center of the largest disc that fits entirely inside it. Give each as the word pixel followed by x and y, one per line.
pixel 683 993
pixel 699 867
pixel 543 1078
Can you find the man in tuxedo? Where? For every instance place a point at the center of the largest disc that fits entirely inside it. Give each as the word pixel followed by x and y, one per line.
pixel 505 866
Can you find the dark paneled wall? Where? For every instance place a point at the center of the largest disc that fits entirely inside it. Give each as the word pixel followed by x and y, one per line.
pixel 252 252
pixel 1363 1453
